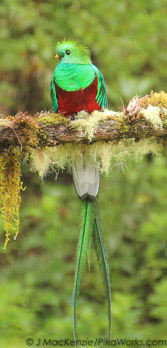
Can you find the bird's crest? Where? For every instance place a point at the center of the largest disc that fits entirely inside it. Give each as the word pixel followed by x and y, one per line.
pixel 71 43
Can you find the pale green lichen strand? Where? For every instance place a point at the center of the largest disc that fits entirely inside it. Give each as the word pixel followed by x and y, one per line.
pixel 89 123
pixel 104 155
pixel 152 114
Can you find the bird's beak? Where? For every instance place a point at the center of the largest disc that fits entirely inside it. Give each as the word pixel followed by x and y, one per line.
pixel 57 56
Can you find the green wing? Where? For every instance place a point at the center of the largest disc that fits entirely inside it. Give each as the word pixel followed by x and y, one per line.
pixel 101 97
pixel 53 94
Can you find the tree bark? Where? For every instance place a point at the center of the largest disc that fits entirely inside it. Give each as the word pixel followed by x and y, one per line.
pixel 141 119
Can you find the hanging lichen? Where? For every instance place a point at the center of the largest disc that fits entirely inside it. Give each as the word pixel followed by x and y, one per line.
pixel 10 186
pixel 39 138
pixel 104 155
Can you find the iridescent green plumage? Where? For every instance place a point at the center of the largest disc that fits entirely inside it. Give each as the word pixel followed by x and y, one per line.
pixel 83 245
pixel 76 71
pixel 78 85
pixel 102 260
pixel 91 231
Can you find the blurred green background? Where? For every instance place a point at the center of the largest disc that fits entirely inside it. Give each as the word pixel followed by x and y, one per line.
pixel 128 41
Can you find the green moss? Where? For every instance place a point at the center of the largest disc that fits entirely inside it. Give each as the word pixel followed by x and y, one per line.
pixel 124 127
pixel 10 186
pixel 103 155
pixel 164 123
pixel 30 125
pixel 155 99
pixel 52 118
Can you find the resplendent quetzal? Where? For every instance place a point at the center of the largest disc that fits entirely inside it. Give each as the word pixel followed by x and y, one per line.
pixel 78 85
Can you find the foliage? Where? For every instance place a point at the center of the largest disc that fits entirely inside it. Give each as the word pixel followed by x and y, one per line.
pixel 37 270
pixel 126 39
pixel 128 44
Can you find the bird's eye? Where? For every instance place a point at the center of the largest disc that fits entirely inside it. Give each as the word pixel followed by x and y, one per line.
pixel 68 52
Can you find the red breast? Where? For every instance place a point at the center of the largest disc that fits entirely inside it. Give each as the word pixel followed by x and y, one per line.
pixel 72 102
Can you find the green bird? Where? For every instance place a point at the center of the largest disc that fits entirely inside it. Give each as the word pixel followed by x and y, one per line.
pixel 78 85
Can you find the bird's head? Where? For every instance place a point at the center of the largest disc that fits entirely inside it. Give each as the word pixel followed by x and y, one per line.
pixel 72 52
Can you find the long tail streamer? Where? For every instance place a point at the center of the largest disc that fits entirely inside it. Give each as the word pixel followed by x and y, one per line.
pixel 91 230
pixel 102 261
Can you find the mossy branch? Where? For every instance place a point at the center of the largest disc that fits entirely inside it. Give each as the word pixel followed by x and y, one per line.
pixel 144 117
pixel 52 142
